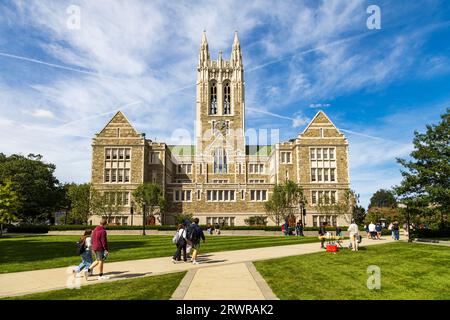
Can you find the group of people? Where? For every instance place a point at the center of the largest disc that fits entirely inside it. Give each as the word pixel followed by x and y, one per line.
pixel 373 231
pixel 298 229
pixel 394 227
pixel 213 229
pixel 187 239
pixel 353 231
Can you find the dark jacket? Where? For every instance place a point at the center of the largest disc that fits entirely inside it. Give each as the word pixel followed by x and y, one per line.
pixel 322 231
pixel 99 240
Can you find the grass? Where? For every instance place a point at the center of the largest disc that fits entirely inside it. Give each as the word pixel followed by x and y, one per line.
pixel 408 271
pixel 146 288
pixel 26 253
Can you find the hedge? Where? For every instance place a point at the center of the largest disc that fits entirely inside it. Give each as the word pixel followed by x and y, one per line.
pixel 431 233
pixel 28 228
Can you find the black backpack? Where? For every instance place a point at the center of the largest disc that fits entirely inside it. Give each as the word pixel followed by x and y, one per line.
pixel 192 233
pixel 81 247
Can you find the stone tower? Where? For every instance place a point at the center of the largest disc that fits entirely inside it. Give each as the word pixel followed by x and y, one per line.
pixel 220 142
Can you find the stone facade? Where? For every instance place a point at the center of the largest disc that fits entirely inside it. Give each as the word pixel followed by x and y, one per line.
pixel 220 179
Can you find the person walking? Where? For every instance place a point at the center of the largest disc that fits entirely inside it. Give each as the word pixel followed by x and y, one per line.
pixel 322 233
pixel 186 225
pixel 339 236
pixel 301 229
pixel 372 231
pixel 378 229
pixel 100 247
pixel 180 241
pixel 366 228
pixel 391 230
pixel 396 229
pixel 195 234
pixel 286 228
pixel 85 244
pixel 297 229
pixel 354 235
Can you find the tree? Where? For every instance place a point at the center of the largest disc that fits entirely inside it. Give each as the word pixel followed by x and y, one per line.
pixel 345 207
pixel 104 203
pixel 153 197
pixel 182 217
pixel 9 201
pixel 34 183
pixel 383 198
pixel 426 175
pixel 79 198
pixel 285 199
pixel 256 221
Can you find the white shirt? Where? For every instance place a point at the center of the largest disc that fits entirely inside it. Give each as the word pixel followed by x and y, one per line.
pixel 182 233
pixel 353 229
pixel 371 227
pixel 88 243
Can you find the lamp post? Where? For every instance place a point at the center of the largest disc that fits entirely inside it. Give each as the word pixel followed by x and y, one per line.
pixel 143 218
pixel 132 211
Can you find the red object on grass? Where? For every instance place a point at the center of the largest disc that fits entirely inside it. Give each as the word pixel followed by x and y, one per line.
pixel 332 248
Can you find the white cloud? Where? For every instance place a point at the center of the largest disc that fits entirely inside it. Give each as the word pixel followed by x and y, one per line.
pixel 41 113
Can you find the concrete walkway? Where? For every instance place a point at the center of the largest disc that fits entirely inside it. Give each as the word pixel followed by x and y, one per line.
pixel 226 269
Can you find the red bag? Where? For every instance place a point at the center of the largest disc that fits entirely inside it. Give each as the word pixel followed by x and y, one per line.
pixel 332 248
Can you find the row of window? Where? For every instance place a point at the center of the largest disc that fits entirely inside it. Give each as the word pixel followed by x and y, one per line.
pixel 117 198
pixel 117 220
pixel 256 168
pixel 331 220
pixel 122 154
pixel 323 197
pixel 222 221
pixel 184 168
pixel 323 174
pixel 213 98
pixel 256 181
pixel 117 175
pixel 322 153
pixel 219 195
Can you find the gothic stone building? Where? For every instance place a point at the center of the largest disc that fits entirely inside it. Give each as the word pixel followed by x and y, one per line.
pixel 220 178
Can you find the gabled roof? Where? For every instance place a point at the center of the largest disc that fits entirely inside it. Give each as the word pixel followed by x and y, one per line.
pixel 119 121
pixel 321 120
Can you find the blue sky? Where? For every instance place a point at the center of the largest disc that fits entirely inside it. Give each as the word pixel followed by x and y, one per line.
pixel 59 86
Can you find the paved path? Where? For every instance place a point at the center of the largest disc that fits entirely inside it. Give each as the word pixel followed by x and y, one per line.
pixel 213 266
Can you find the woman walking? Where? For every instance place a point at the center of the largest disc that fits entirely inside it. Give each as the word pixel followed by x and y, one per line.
pixel 180 241
pixel 84 245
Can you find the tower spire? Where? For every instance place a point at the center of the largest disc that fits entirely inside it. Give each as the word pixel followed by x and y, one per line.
pixel 204 50
pixel 236 54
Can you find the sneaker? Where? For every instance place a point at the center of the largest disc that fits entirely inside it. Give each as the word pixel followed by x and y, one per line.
pixel 103 277
pixel 194 262
pixel 174 261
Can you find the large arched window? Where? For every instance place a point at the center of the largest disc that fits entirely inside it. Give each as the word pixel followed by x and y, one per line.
pixel 220 161
pixel 226 98
pixel 213 98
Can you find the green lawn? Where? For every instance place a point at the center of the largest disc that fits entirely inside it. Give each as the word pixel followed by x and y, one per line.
pixel 43 252
pixel 146 288
pixel 408 271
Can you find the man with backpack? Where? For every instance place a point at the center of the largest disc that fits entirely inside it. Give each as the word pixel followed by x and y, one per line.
pixel 194 235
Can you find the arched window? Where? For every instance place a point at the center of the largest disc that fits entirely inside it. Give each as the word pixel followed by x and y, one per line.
pixel 226 98
pixel 220 161
pixel 213 98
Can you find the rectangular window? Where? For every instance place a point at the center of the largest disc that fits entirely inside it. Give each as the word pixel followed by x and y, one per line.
pixel 332 154
pixel 126 200
pixel 108 154
pixel 320 197
pixel 120 175
pixel 177 195
pixel 107 175
pixel 113 175
pixel 325 153
pixel 199 194
pixel 314 197
pixel 114 154
pixel 313 153
pixel 332 175
pixel 121 154
pixel 127 175
pixel 333 197
pixel 220 195
pixel 319 153
pixel 315 221
pixel 319 174
pixel 313 174
pixel 127 154
pixel 258 195
pixel 154 157
pixel 325 174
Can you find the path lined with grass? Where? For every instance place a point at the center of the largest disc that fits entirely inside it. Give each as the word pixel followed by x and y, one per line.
pixel 145 288
pixel 44 252
pixel 408 271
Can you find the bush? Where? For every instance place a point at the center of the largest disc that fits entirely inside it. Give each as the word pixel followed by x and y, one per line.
pixel 28 228
pixel 109 227
pixel 431 233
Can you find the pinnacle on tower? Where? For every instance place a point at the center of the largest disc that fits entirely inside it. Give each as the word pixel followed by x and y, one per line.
pixel 236 55
pixel 204 50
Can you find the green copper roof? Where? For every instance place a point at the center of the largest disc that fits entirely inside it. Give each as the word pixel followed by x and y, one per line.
pixel 189 150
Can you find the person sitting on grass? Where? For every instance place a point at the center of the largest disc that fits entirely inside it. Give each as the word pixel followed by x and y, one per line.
pixel 85 243
pixel 100 247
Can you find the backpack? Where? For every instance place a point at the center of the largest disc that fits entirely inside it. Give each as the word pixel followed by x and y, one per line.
pixel 81 247
pixel 192 233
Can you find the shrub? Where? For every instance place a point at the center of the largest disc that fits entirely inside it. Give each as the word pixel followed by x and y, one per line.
pixel 28 228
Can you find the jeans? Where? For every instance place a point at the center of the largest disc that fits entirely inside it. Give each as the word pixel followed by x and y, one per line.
pixel 396 234
pixel 86 261
pixel 177 255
